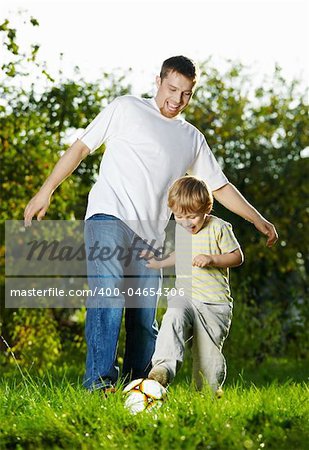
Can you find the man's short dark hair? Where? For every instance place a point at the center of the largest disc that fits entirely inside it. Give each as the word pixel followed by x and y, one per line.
pixel 180 64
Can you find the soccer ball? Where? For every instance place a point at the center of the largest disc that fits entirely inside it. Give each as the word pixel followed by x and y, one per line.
pixel 144 395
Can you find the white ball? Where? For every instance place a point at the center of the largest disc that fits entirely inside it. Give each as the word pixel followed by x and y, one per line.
pixel 144 395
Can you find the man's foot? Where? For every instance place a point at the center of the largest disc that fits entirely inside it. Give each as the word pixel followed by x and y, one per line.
pixel 159 374
pixel 219 393
pixel 108 390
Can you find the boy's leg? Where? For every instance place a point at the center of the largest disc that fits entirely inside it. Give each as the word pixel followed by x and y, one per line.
pixel 175 329
pixel 103 235
pixel 211 326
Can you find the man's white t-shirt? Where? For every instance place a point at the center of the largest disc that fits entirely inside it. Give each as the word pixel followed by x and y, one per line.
pixel 145 152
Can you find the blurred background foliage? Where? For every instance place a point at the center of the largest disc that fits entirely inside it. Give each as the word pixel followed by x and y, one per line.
pixel 258 134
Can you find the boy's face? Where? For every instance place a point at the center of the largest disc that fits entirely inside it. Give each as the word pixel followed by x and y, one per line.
pixel 174 93
pixel 192 222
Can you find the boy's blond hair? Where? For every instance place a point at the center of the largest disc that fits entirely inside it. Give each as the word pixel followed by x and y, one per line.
pixel 190 195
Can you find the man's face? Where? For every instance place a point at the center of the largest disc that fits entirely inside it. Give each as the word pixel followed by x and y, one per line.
pixel 192 222
pixel 174 93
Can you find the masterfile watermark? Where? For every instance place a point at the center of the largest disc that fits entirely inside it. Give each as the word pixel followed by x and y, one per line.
pixel 55 251
pixel 65 248
pixel 70 264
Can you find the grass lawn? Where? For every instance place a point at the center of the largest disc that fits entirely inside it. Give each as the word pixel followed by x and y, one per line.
pixel 54 411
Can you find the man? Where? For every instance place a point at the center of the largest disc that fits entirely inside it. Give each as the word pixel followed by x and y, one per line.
pixel 148 146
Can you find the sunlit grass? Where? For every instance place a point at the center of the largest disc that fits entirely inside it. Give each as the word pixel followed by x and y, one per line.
pixel 49 412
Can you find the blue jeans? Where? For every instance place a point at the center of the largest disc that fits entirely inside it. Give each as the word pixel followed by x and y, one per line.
pixel 117 277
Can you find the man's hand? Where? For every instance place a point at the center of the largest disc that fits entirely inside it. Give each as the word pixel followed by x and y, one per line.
pixel 232 199
pixel 38 205
pixel 202 261
pixel 68 162
pixel 268 229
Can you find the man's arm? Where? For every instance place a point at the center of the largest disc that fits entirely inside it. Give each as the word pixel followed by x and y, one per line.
pixel 68 162
pixel 232 199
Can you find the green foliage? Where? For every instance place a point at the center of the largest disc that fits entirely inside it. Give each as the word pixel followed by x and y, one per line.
pixel 257 135
pixel 37 338
pixel 34 129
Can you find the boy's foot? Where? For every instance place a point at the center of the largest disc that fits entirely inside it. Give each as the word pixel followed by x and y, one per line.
pixel 159 374
pixel 219 393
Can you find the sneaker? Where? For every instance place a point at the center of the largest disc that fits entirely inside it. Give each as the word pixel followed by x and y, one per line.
pixel 159 374
pixel 108 390
pixel 219 393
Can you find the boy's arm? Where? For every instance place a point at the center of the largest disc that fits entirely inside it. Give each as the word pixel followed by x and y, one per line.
pixel 160 263
pixel 232 259
pixel 232 199
pixel 68 162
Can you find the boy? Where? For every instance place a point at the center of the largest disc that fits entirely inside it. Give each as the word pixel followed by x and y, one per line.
pixel 202 307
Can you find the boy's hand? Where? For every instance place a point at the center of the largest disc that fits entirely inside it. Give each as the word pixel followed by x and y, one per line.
pixel 152 262
pixel 202 261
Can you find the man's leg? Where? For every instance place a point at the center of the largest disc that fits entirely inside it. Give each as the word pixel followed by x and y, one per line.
pixel 141 333
pixel 141 289
pixel 101 364
pixel 105 308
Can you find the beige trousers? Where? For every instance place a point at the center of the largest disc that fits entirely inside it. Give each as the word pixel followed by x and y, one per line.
pixel 207 324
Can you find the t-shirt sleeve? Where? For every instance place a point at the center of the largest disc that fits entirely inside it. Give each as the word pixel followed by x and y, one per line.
pixel 104 125
pixel 227 240
pixel 206 167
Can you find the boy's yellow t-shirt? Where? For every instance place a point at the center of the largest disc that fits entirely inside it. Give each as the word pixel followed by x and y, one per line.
pixel 209 284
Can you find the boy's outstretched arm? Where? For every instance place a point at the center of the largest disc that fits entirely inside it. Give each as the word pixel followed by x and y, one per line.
pixel 159 263
pixel 233 200
pixel 68 162
pixel 232 259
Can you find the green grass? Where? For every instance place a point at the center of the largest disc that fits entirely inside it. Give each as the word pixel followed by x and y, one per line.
pixel 51 412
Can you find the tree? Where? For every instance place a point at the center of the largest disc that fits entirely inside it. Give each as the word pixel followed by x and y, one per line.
pixel 34 127
pixel 258 136
pixel 260 142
